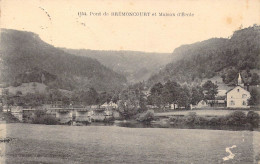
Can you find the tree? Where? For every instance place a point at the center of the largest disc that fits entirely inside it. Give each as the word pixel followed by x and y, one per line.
pixel 55 95
pixel 196 95
pixel 142 102
pixel 184 97
pixel 33 99
pixel 128 104
pixel 127 108
pixel 156 95
pixel 211 90
pixel 76 97
pixel 170 92
pixel 131 101
pixel 255 80
pixel 115 98
pixel 157 89
pixel 148 116
pixel 230 76
pixel 253 118
pixel 19 93
pixel 255 98
pixel 89 97
pixel 104 97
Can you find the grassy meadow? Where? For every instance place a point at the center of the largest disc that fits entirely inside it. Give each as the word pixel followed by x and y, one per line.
pixel 112 144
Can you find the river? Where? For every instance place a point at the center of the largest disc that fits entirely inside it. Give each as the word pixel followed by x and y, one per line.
pixel 112 144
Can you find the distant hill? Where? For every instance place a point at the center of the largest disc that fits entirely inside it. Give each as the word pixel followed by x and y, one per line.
pixel 214 57
pixel 134 65
pixel 26 58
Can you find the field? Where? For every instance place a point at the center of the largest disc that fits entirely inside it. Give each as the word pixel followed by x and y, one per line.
pixel 112 144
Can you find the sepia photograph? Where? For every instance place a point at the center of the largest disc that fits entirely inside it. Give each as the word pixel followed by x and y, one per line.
pixel 129 81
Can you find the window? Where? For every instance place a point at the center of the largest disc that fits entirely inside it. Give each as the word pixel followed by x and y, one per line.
pixel 244 103
pixel 232 102
pixel 237 90
pixel 244 96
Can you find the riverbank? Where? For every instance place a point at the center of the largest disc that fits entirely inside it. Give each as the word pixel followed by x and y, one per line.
pixel 204 112
pixel 111 144
pixel 231 120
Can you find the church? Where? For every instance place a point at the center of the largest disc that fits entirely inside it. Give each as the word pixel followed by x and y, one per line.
pixel 238 96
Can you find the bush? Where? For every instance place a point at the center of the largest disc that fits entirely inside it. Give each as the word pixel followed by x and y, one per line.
pixel 173 119
pixel 236 118
pixel 222 120
pixel 109 119
pixel 50 120
pixel 201 120
pixel 39 113
pixel 213 121
pixel 148 116
pixel 46 119
pixel 253 118
pixel 190 118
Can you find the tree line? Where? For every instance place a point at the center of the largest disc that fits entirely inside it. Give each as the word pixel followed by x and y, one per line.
pixel 52 96
pixel 172 92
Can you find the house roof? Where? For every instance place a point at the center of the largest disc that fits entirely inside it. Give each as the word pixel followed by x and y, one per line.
pixel 237 87
pixel 202 101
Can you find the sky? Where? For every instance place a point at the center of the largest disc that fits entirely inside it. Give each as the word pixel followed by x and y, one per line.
pixel 58 23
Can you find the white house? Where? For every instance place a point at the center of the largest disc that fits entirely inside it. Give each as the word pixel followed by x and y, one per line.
pixel 238 96
pixel 109 105
pixel 202 104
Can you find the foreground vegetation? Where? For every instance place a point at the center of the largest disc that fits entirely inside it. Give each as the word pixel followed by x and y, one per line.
pixel 111 144
pixel 236 118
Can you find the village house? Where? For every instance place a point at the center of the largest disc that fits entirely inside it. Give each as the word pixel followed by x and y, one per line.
pixel 201 104
pixel 146 93
pixel 173 106
pixel 110 105
pixel 238 96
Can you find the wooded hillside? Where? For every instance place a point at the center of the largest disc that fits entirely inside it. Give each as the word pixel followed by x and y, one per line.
pixel 217 56
pixel 26 58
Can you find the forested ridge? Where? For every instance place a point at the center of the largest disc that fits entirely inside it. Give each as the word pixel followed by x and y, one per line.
pixel 26 58
pixel 215 57
pixel 136 66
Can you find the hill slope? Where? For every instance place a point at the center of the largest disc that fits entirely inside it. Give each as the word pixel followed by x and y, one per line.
pixel 134 65
pixel 26 58
pixel 217 56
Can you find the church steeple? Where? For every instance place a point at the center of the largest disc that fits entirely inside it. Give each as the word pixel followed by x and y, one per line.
pixel 239 80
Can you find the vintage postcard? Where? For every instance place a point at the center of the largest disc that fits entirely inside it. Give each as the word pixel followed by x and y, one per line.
pixel 129 81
